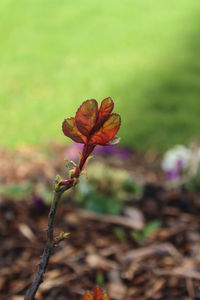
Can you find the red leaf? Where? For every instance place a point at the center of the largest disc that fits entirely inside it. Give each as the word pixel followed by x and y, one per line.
pixel 108 130
pixel 70 129
pixel 98 293
pixel 105 109
pixel 86 116
pixel 88 296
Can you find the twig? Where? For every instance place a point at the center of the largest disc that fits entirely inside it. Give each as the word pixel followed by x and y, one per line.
pixel 179 272
pixel 49 245
pixel 145 252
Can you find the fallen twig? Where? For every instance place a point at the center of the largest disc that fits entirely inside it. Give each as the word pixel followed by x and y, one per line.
pixel 117 220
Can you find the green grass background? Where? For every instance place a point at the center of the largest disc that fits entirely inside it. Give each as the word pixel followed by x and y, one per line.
pixel 144 53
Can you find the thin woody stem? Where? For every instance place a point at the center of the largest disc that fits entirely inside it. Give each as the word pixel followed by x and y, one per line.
pixel 87 150
pixel 49 245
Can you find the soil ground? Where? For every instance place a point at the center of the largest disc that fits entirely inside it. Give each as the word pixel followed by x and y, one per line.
pixel 164 265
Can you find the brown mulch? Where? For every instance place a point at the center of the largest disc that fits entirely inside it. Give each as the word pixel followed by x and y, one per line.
pixel 165 265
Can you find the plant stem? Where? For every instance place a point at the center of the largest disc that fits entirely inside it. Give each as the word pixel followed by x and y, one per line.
pixel 49 245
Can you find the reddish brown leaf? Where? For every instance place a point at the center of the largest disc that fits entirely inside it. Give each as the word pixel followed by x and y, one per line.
pixel 98 293
pixel 70 129
pixel 108 130
pixel 105 109
pixel 88 296
pixel 86 116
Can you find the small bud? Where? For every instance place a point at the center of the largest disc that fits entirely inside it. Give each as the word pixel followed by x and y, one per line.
pixel 60 238
pixel 63 235
pixel 58 180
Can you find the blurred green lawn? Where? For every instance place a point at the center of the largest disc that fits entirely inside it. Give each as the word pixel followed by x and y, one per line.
pixel 144 53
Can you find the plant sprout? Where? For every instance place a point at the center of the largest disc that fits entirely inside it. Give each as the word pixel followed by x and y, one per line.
pixel 91 126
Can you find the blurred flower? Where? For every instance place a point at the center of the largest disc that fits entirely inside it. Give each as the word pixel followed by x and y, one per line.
pixel 178 157
pixel 176 161
pixel 172 175
pixel 113 150
pixel 38 203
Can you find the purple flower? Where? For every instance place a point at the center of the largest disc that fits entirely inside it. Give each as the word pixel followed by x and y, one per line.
pixel 172 174
pixel 180 165
pixel 175 173
pixel 38 203
pixel 113 150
